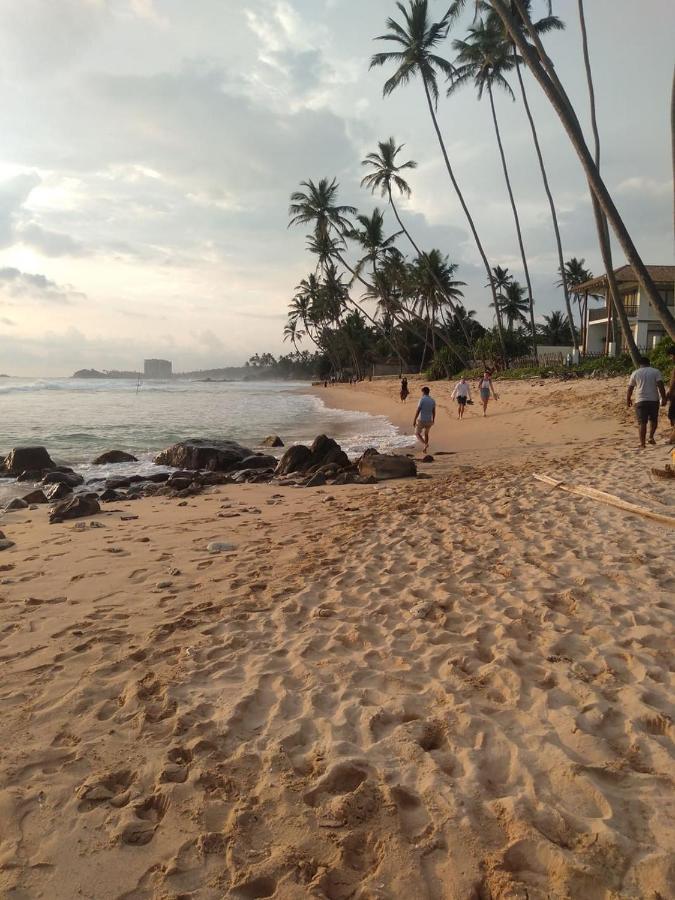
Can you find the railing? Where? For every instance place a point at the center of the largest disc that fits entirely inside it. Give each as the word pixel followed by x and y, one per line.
pixel 596 315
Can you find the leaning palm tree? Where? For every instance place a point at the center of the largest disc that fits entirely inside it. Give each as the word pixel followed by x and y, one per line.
pixel 385 173
pixel 484 58
pixel 541 26
pixel 417 41
pixel 521 30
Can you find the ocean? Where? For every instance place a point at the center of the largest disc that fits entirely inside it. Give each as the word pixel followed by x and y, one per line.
pixel 77 419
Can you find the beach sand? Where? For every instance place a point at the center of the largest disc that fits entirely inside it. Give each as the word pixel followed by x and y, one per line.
pixel 456 687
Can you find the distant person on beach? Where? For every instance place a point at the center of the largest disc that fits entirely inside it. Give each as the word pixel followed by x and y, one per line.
pixel 404 390
pixel 462 394
pixel 425 416
pixel 670 395
pixel 646 384
pixel 486 387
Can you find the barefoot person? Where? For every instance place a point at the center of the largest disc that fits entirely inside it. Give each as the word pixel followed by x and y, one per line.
pixel 670 395
pixel 404 389
pixel 425 416
pixel 486 387
pixel 462 394
pixel 646 383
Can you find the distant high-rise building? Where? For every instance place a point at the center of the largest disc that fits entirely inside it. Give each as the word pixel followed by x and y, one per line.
pixel 159 369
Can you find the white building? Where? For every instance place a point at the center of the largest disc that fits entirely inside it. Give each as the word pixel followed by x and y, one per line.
pixel 645 325
pixel 159 369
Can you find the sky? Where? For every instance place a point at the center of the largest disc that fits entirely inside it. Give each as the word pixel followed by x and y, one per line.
pixel 149 148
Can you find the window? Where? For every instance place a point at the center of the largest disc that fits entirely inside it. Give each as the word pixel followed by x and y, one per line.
pixel 630 301
pixel 668 296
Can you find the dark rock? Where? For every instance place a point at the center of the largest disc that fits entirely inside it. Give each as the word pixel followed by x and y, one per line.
pixel 16 503
pixel 427 459
pixel 295 459
pixel 345 478
pixel 157 477
pixel 325 450
pixel 35 497
pixel 216 478
pixel 116 482
pixel 272 440
pixel 384 467
pixel 28 475
pixel 58 491
pixel 317 480
pixel 5 544
pixel 214 456
pixel 28 459
pixel 179 484
pixel 70 478
pixel 113 456
pixel 75 508
pixel 258 461
pixel 366 479
pixel 109 496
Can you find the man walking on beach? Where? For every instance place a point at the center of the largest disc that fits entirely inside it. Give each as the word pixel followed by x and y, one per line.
pixel 647 384
pixel 425 416
pixel 462 394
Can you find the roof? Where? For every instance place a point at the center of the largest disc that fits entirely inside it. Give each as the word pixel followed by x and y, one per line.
pixel 659 274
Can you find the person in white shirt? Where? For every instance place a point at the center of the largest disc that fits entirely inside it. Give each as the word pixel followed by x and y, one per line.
pixel 462 394
pixel 645 385
pixel 485 388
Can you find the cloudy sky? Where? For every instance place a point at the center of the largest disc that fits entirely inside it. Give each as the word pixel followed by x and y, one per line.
pixel 149 147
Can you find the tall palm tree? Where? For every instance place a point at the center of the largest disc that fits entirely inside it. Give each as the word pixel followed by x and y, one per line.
pixel 556 330
pixel 544 71
pixel 484 58
pixel 385 173
pixel 541 26
pixel 574 273
pixel 370 237
pixel 417 41
pixel 317 205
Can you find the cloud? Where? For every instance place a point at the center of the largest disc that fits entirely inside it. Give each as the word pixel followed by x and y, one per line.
pixel 23 285
pixel 49 243
pixel 13 194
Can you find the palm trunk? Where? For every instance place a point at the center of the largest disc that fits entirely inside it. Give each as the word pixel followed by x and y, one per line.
pixel 560 102
pixel 516 219
pixel 617 305
pixel 429 269
pixel 469 219
pixel 554 215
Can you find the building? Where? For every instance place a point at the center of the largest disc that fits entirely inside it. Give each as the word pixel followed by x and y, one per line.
pixel 159 369
pixel 645 324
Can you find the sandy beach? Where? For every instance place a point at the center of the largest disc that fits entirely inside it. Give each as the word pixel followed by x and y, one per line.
pixel 457 687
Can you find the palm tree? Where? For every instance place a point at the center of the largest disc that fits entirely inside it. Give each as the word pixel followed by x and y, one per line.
pixel 574 273
pixel 417 41
pixel 317 205
pixel 556 330
pixel 544 71
pixel 371 239
pixel 484 58
pixel 515 304
pixel 543 25
pixel 385 172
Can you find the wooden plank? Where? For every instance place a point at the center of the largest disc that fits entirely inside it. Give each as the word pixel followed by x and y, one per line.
pixel 609 499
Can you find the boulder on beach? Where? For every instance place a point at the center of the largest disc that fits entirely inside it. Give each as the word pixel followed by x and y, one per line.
pixel 75 508
pixel 37 496
pixel 272 440
pixel 16 503
pixel 27 459
pixel 71 479
pixel 259 461
pixel 113 456
pixel 384 467
pixel 214 456
pixel 323 452
pixel 58 491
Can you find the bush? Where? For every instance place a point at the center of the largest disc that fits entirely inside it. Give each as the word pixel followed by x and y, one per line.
pixel 661 359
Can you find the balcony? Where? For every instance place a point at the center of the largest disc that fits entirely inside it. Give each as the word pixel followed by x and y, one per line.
pixel 600 315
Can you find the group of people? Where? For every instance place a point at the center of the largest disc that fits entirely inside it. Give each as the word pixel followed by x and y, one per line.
pixel 646 392
pixel 425 414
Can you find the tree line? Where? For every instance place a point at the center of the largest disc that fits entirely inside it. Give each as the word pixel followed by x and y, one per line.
pixel 408 306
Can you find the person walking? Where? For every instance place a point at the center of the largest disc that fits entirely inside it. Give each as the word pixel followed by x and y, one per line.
pixel 404 389
pixel 670 394
pixel 425 416
pixel 462 394
pixel 646 385
pixel 486 387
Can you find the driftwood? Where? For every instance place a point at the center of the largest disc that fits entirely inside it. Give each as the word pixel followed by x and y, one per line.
pixel 609 499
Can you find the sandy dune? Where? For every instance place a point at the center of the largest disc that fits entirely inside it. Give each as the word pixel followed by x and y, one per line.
pixel 449 688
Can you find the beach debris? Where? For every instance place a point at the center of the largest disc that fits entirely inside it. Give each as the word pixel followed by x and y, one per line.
pixel 127 518
pixel 272 440
pixel 163 585
pixel 609 499
pixel 27 459
pixel 16 503
pixel 383 467
pixel 112 457
pixel 175 572
pixel 668 472
pixel 74 508
pixel 5 544
pixel 220 547
pixel 37 496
